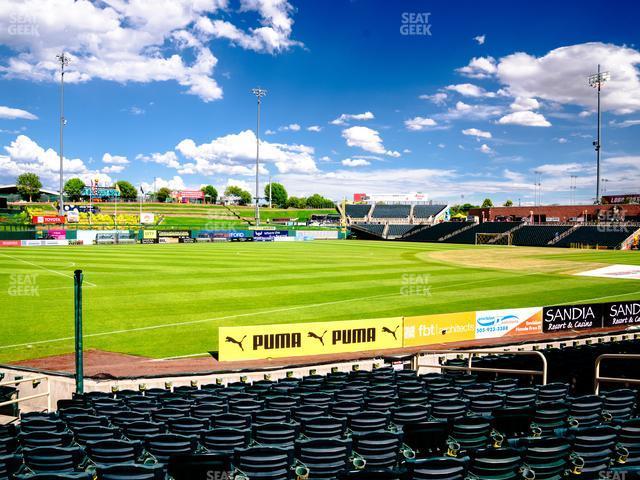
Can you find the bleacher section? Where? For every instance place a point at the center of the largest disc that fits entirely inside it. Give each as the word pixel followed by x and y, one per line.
pixel 357 211
pixel 391 211
pixel 383 424
pixel 469 236
pixel 434 233
pixel 603 236
pixel 426 211
pixel 399 230
pixel 372 228
pixel 537 235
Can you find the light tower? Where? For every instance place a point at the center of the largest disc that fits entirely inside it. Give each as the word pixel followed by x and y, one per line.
pixel 63 59
pixel 259 93
pixel 596 81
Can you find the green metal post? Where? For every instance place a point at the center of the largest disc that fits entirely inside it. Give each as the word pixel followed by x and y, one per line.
pixel 77 283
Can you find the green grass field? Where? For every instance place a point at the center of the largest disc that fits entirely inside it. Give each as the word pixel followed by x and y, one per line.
pixel 168 300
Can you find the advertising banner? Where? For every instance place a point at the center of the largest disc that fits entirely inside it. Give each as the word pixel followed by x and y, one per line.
pixel 270 234
pixel 10 243
pixel 149 236
pixel 515 321
pixel 442 328
pixel 73 216
pixel 173 236
pixel 255 342
pixel 44 243
pixel 572 317
pixel 48 219
pixel 621 313
pixel 57 234
pixel 147 218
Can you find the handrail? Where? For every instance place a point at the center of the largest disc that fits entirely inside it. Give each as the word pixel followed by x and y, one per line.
pixel 598 379
pixel 36 382
pixel 470 368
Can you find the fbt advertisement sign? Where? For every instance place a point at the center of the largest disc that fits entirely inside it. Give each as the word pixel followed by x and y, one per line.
pixel 621 313
pixel 572 317
pixel 516 321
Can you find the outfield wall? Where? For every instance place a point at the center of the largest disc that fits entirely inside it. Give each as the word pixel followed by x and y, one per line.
pixel 261 342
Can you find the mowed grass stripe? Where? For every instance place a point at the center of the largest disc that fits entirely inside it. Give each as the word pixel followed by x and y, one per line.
pixel 144 286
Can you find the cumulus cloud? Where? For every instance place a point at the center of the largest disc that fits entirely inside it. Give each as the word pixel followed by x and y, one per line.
pixel 470 90
pixel 522 103
pixel 314 128
pixel 439 98
pixel 417 124
pixel 294 127
pixel 479 67
pixel 480 39
pixel 115 159
pixel 175 183
pixel 25 155
pixel 474 132
pixel 136 40
pixel 367 139
pixel 168 159
pixel 113 169
pixel 355 162
pixel 235 154
pixel 347 117
pixel 16 113
pixel 471 112
pixel 486 149
pixel 525 118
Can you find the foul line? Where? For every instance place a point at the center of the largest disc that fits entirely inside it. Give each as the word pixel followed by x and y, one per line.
pixel 47 269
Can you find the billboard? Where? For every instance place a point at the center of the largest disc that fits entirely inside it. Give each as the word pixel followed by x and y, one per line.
pixel 174 236
pixel 147 218
pixel 149 236
pixel 442 328
pixel 256 342
pixel 515 321
pixel 621 314
pixel 58 234
pixel 269 234
pixel 48 219
pixel 572 317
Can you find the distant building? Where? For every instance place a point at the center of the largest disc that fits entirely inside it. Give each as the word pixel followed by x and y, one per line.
pixel 413 197
pixel 10 192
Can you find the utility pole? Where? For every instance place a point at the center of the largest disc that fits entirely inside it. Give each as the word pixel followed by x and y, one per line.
pixel 596 81
pixel 64 61
pixel 259 93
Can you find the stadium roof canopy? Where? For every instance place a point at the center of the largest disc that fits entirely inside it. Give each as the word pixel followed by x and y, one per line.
pixel 13 190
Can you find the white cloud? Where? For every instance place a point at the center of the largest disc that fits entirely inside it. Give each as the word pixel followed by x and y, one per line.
pixel 522 103
pixel 175 183
pixel 269 132
pixel 314 128
pixel 479 67
pixel 474 132
pixel 561 75
pixel 625 123
pixel 25 155
pixel 234 154
pixel 355 162
pixel 346 117
pixel 561 168
pixel 525 118
pixel 15 113
pixel 239 183
pixel 294 127
pixel 168 159
pixel 115 159
pixel 561 140
pixel 113 169
pixel 480 39
pixel 471 112
pixel 439 98
pixel 136 40
pixel 272 37
pixel 441 145
pixel 470 90
pixel 486 149
pixel 419 123
pixel 367 139
pixel 513 176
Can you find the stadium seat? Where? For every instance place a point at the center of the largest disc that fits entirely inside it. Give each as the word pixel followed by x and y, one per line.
pixel 595 445
pixel 123 418
pixel 486 404
pixel 276 433
pixel 95 433
pixel 514 422
pixel 368 421
pixel 80 421
pixel 629 438
pixel 308 412
pixel 521 397
pixel 324 427
pixel 586 410
pixel 266 463
pixel 472 432
pixel 43 439
pixel 207 410
pixel 343 409
pixel 326 458
pixel 225 440
pixel 163 445
pixel 448 409
pixel 268 415
pixel 496 464
pixel 109 452
pixel 427 438
pixel 131 471
pixel 412 413
pixel 380 449
pixel 188 426
pixel 55 476
pixel 53 459
pixel 550 416
pixel 281 402
pixel 231 420
pixel 9 444
pixel 548 457
pixel 437 468
pixel 9 464
pixel 42 425
pixel 141 430
pixel 243 407
pixel 200 467
pixel 163 415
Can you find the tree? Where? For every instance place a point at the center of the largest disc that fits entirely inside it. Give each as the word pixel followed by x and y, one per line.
pixel 245 197
pixel 318 201
pixel 278 193
pixel 127 191
pixel 211 192
pixel 508 203
pixel 162 194
pixel 296 202
pixel 487 203
pixel 28 185
pixel 73 189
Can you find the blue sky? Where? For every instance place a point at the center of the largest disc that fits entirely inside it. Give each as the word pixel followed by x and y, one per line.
pixel 161 89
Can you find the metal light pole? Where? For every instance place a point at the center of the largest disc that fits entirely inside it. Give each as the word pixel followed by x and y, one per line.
pixel 64 61
pixel 259 93
pixel 270 196
pixel 596 81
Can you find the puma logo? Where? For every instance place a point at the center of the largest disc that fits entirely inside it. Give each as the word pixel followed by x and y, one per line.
pixel 321 337
pixel 239 343
pixel 386 330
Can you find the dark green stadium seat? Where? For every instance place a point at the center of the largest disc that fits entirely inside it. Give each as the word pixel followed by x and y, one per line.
pixel 269 415
pixel 231 420
pixel 163 445
pixel 380 449
pixel 368 421
pixel 265 463
pixel 496 464
pixel 131 471
pixel 45 439
pixel 325 458
pixel 225 440
pixel 412 413
pixel 109 452
pixel 188 426
pixel 472 432
pixel 53 459
pixel 141 430
pixel 324 427
pixel 437 468
pixel 276 433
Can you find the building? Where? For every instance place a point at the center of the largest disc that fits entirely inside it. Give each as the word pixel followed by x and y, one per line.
pixel 560 213
pixel 10 192
pixel 413 197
